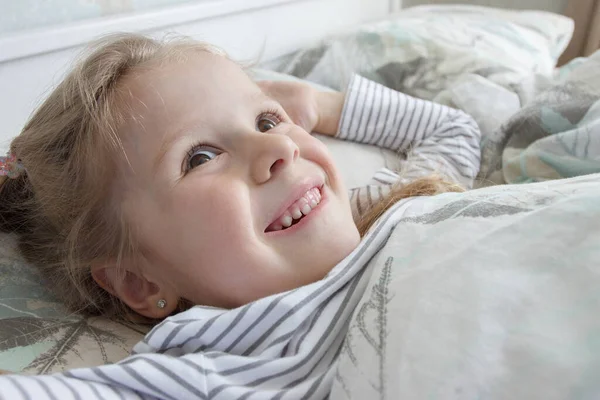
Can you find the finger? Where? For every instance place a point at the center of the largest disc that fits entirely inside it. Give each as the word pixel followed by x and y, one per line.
pixel 265 86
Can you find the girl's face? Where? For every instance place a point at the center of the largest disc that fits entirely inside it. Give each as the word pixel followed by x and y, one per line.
pixel 214 170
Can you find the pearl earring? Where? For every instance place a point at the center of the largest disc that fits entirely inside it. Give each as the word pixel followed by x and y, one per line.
pixel 161 303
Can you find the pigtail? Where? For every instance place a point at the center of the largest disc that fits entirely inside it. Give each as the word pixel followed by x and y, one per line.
pixel 16 198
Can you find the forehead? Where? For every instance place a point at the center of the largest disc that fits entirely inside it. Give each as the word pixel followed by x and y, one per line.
pixel 163 98
pixel 200 77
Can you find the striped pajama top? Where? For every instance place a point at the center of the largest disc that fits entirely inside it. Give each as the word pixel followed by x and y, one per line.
pixel 283 346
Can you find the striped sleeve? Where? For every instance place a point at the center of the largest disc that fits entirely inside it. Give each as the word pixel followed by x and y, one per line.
pixel 59 387
pixel 283 346
pixel 435 139
pixel 363 198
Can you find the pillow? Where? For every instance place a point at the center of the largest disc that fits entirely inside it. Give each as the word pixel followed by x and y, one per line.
pixel 423 50
pixel 38 335
pixel 556 135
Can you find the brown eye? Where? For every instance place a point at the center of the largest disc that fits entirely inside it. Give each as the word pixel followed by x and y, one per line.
pixel 265 123
pixel 199 157
pixel 198 160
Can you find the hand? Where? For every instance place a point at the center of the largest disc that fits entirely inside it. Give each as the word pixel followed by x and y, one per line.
pixel 299 101
pixel 314 111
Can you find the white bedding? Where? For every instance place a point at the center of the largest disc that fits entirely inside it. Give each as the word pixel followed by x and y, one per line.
pixel 490 294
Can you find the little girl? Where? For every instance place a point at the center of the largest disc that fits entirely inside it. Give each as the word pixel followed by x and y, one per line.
pixel 159 180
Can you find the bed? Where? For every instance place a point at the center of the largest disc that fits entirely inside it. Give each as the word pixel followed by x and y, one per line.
pixel 463 334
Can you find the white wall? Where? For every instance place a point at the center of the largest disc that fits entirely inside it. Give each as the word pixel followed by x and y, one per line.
pixel 556 6
pixel 32 62
pixel 19 15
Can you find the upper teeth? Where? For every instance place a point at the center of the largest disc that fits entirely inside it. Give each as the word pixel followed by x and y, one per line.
pixel 303 206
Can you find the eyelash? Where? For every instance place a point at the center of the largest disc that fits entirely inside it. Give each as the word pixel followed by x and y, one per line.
pixel 194 148
pixel 273 112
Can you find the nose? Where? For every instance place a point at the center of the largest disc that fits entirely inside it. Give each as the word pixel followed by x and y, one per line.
pixel 270 154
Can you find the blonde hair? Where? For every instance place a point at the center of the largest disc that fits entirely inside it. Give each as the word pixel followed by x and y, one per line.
pixel 63 208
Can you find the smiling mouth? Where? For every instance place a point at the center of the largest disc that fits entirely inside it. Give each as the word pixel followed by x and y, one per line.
pixel 297 211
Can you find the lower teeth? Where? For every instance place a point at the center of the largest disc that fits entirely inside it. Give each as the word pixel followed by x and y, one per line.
pixel 294 222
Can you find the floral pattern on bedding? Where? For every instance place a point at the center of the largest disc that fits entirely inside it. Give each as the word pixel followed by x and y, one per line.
pixel 557 135
pixel 424 50
pixel 37 335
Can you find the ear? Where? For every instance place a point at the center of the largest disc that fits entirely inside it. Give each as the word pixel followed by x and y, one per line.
pixel 139 292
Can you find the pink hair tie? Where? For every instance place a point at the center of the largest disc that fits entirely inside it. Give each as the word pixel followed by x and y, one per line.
pixel 10 166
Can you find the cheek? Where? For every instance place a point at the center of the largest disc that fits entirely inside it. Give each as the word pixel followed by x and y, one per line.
pixel 314 150
pixel 213 215
pixel 215 246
